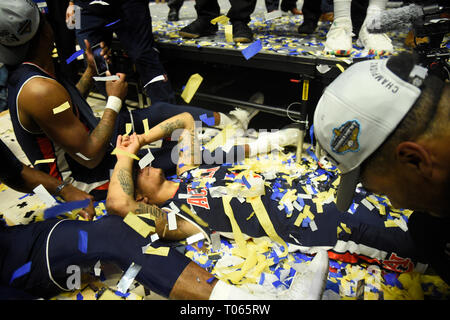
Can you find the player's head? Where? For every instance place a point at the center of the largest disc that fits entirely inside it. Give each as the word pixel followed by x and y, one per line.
pixel 149 185
pixel 386 123
pixel 22 26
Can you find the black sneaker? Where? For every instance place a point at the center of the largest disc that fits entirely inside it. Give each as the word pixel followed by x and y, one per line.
pixel 173 15
pixel 307 27
pixel 242 32
pixel 198 28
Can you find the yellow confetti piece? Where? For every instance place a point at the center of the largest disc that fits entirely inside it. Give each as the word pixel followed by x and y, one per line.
pixel 119 151
pixel 346 229
pixel 220 19
pixel 220 139
pixel 44 161
pixel 299 219
pixel 197 219
pixel 237 233
pixel 229 33
pixel 61 108
pixel 340 67
pixel 145 124
pixel 138 225
pixel 305 90
pixel 390 223
pixel 319 207
pixel 191 87
pixel 161 251
pixel 265 222
pixel 128 128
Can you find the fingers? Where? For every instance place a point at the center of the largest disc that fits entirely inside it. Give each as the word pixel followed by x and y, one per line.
pixel 87 44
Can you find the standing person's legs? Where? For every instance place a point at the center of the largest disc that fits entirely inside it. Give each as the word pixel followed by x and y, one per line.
pixel 311 14
pixel 136 36
pixel 64 37
pixel 206 11
pixel 239 15
pixel 272 5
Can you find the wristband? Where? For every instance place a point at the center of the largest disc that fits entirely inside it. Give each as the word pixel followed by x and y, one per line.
pixel 114 103
pixel 60 187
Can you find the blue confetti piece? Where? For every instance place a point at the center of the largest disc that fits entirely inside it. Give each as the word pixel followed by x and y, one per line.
pixel 305 222
pixel 74 56
pixel 181 165
pixel 23 270
pixel 195 184
pixel 120 294
pixel 252 49
pixel 65 207
pixel 80 296
pixel 391 279
pixel 208 185
pixel 24 196
pixel 312 154
pixel 247 184
pixel 208 121
pixel 112 23
pixel 82 241
pixel 200 244
pixel 261 279
pixel 210 280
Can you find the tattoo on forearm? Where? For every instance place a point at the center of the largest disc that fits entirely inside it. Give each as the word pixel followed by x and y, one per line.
pixel 126 182
pixel 152 209
pixel 169 127
pixel 84 85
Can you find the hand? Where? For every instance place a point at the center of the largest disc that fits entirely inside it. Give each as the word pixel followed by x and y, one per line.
pixel 70 193
pixel 130 144
pixel 117 88
pixel 70 16
pixel 89 55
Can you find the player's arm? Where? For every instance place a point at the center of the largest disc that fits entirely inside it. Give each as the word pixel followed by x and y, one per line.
pixel 121 199
pixel 38 99
pixel 22 178
pixel 86 81
pixel 181 127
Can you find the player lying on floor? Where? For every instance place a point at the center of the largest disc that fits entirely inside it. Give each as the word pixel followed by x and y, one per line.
pixel 219 205
pixel 35 258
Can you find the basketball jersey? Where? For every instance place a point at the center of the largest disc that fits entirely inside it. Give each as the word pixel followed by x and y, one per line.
pixel 350 236
pixel 37 146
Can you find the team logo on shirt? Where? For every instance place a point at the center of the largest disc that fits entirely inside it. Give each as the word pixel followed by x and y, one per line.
pixel 199 196
pixel 345 138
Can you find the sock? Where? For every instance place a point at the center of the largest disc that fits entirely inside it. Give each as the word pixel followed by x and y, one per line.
pixel 225 291
pixel 342 9
pixel 224 121
pixel 375 7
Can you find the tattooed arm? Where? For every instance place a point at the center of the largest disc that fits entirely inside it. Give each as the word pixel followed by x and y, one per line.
pixel 121 199
pixel 182 128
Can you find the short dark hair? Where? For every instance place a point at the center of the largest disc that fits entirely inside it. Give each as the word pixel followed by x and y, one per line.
pixel 417 121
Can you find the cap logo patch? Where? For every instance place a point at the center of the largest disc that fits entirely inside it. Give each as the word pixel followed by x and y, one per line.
pixel 345 138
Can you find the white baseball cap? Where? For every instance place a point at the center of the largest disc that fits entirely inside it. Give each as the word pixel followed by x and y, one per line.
pixel 356 114
pixel 19 22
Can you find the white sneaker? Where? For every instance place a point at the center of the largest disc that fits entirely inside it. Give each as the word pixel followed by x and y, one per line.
pixel 310 280
pixel 244 115
pixel 377 43
pixel 339 37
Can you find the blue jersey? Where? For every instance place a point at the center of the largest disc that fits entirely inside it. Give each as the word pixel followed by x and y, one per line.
pixel 37 145
pixel 350 236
